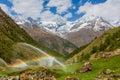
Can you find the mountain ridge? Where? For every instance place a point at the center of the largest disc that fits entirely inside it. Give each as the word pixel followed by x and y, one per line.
pixel 49 39
pixel 11 34
pixel 109 41
pixel 61 28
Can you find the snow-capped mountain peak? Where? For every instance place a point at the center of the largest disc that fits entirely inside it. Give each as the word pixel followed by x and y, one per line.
pixel 62 27
pixel 91 22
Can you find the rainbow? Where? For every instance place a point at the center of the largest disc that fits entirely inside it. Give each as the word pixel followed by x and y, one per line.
pixel 23 63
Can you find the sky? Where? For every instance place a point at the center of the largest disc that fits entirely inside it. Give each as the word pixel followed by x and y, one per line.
pixel 67 10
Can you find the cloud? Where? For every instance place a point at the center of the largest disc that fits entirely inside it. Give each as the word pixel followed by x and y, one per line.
pixel 61 5
pixel 69 15
pixel 36 9
pixel 108 10
pixel 5 8
pixel 49 16
pixel 27 8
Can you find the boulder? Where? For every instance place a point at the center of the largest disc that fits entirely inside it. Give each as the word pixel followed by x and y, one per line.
pixel 86 67
pixel 107 71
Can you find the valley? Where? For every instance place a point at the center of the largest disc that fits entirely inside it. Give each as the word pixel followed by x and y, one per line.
pixel 98 66
pixel 34 49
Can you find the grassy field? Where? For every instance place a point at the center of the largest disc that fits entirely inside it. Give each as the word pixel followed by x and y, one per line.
pixel 112 63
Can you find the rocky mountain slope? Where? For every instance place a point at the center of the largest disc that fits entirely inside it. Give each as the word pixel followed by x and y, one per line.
pixel 106 45
pixel 83 36
pixel 87 29
pixel 49 39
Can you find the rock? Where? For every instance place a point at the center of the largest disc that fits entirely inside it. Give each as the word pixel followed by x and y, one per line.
pixel 70 78
pixel 9 78
pixel 102 78
pixel 108 74
pixel 86 67
pixel 107 71
pixel 107 78
pixel 103 55
pixel 43 74
pixel 116 76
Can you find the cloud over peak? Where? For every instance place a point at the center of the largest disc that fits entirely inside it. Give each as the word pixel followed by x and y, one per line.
pixel 108 10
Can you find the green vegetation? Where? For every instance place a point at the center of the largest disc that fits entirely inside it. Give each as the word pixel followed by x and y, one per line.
pixel 98 65
pixel 10 34
pixel 109 41
pixel 76 51
pixel 112 42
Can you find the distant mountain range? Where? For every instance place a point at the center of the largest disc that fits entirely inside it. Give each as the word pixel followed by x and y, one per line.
pixel 64 27
pixel 79 32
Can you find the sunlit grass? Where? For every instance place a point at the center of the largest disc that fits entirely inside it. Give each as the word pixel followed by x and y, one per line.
pixel 98 65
